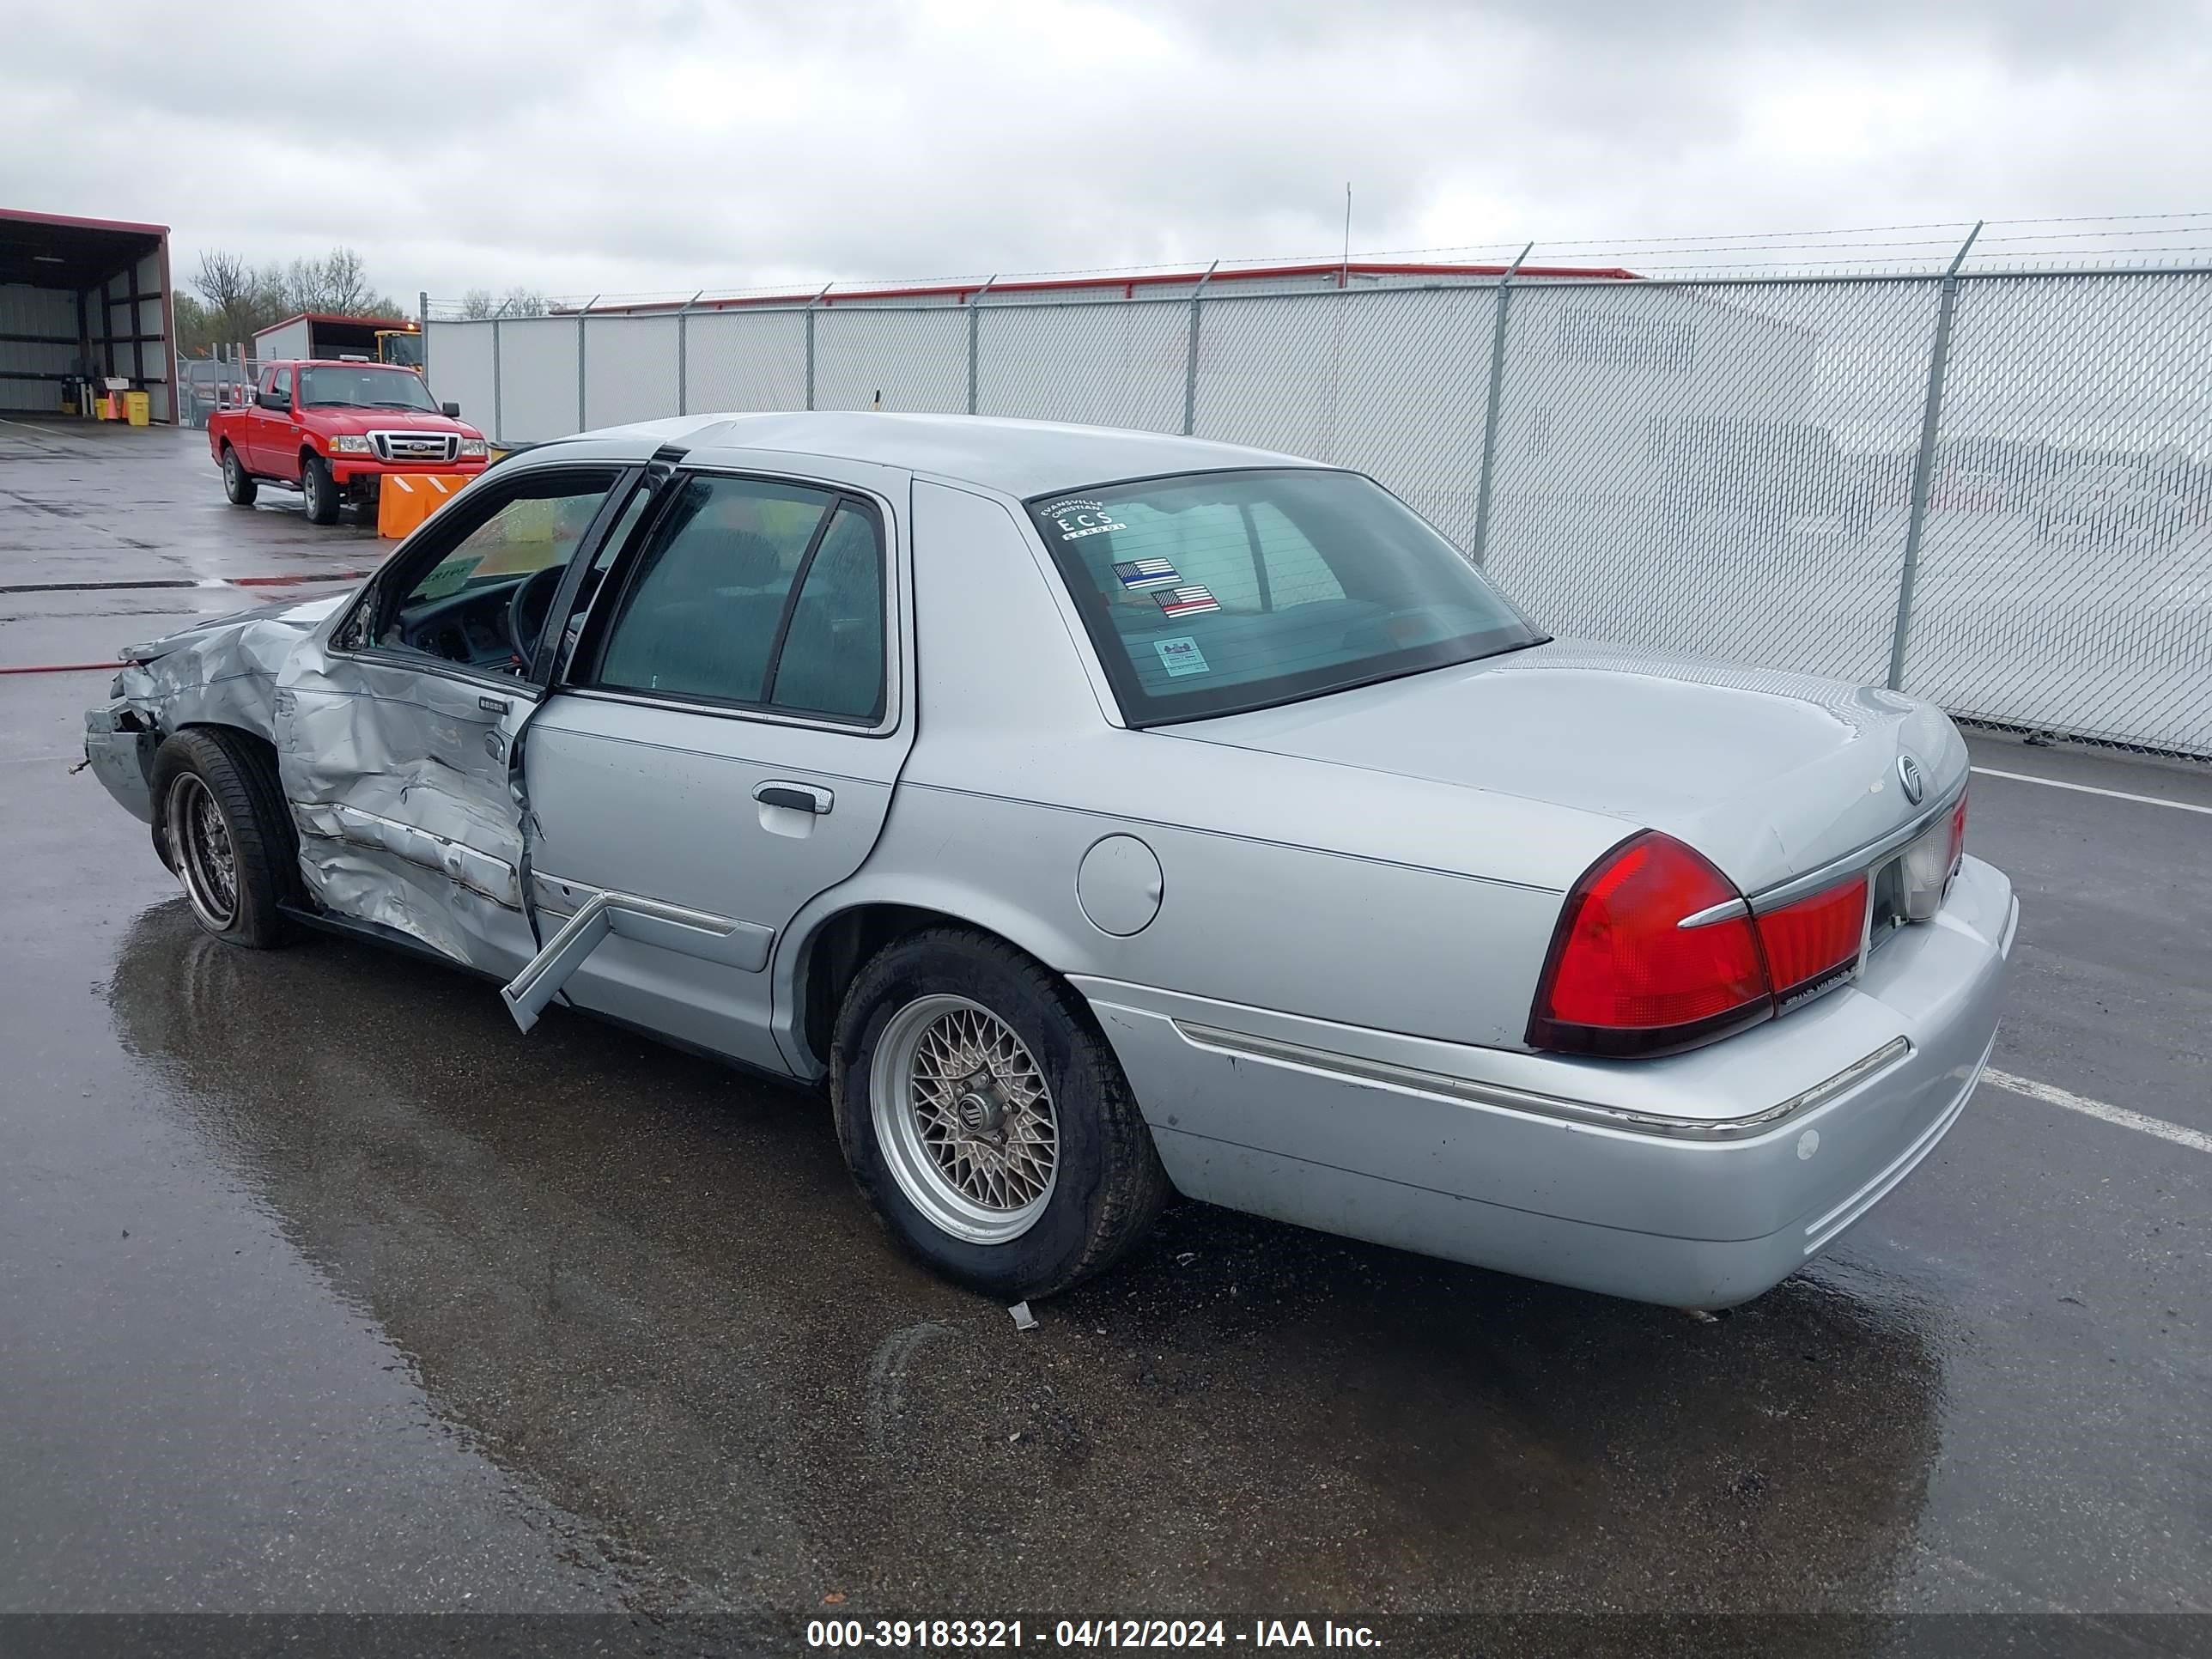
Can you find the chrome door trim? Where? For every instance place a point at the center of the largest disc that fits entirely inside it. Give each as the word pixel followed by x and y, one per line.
pixel 726 939
pixel 479 872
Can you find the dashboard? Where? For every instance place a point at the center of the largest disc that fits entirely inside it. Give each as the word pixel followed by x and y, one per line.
pixel 469 627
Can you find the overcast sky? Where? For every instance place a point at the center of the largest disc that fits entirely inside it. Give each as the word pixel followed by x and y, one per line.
pixel 664 147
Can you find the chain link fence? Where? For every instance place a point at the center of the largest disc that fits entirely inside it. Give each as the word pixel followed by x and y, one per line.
pixel 1993 489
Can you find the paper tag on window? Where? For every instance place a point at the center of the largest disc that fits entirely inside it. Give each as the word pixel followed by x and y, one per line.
pixel 450 577
pixel 1180 657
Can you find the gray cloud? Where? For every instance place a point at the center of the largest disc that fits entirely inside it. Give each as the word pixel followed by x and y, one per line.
pixel 581 149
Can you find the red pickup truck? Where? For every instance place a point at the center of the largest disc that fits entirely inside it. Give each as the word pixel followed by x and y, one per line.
pixel 333 430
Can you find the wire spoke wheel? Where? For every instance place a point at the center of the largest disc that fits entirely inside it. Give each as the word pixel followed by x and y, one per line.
pixel 200 841
pixel 965 1118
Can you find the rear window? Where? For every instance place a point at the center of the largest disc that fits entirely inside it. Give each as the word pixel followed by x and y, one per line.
pixel 1214 592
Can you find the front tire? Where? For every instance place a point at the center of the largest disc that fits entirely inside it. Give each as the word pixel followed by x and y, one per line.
pixel 222 826
pixel 985 1119
pixel 320 491
pixel 237 483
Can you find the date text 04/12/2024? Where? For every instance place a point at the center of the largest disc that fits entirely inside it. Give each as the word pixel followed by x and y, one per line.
pixel 970 1633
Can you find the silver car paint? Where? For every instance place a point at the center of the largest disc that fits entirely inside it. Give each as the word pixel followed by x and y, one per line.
pixel 1371 874
pixel 1769 775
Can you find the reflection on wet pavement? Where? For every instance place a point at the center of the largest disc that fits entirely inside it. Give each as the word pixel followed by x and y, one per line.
pixel 641 1283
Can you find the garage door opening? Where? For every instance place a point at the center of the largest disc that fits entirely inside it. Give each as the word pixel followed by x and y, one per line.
pixel 84 302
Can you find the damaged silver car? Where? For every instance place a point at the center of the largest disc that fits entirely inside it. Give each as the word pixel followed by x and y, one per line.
pixel 1103 815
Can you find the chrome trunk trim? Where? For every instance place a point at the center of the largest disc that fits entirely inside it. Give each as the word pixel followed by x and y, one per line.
pixel 1363 1070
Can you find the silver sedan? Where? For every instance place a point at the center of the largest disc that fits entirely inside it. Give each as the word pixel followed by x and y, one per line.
pixel 1103 815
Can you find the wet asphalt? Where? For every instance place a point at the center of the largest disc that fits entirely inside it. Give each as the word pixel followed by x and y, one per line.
pixel 321 1288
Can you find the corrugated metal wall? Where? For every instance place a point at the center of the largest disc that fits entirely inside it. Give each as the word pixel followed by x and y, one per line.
pixel 50 313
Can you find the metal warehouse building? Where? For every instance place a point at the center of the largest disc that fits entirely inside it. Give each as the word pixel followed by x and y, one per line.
pixel 82 297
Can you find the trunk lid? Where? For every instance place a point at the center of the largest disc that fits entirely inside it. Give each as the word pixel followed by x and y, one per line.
pixel 1769 775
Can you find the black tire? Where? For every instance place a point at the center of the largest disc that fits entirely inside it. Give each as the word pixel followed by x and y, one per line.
pixel 1108 1184
pixel 320 490
pixel 237 483
pixel 229 771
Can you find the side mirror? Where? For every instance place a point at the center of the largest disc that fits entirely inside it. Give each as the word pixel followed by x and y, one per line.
pixel 276 400
pixel 451 411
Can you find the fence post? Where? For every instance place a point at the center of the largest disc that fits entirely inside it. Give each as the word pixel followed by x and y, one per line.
pixel 583 422
pixel 1924 464
pixel 1190 359
pixel 975 303
pixel 1490 409
pixel 498 405
pixel 422 322
pixel 683 355
pixel 811 304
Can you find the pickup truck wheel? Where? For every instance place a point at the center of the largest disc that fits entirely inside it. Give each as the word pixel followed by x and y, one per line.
pixel 237 483
pixel 322 494
pixel 985 1119
pixel 224 829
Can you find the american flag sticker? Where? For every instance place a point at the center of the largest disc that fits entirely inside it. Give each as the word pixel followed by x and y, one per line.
pixel 1188 601
pixel 1139 574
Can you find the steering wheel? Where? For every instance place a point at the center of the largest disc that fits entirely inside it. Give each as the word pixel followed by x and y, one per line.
pixel 526 611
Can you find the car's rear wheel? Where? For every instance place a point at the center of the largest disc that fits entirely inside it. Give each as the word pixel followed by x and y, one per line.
pixel 237 483
pixel 985 1119
pixel 224 831
pixel 320 489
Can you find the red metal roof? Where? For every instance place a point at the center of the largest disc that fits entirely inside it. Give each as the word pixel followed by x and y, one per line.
pixel 332 317
pixel 962 292
pixel 70 222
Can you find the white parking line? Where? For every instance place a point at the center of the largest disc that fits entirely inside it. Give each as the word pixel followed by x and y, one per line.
pixel 2091 789
pixel 2120 1115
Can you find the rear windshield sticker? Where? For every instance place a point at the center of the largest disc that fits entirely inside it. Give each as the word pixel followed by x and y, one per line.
pixel 1082 517
pixel 1181 656
pixel 1190 600
pixel 450 577
pixel 1140 574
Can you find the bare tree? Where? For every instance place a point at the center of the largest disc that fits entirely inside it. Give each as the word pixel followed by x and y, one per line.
pixel 522 302
pixel 337 282
pixel 477 304
pixel 239 298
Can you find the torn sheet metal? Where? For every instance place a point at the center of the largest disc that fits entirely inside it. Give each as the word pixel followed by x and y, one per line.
pixel 222 672
pixel 219 672
pixel 400 786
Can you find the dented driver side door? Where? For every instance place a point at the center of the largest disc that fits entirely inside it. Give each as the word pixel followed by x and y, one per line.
pixel 398 729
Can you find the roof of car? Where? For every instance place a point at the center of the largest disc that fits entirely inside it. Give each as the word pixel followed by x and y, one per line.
pixel 1020 457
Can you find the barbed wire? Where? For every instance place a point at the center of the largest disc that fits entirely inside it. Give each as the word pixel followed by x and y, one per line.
pixel 2137 239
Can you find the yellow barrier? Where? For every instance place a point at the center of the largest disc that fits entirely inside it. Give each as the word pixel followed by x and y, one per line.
pixel 404 499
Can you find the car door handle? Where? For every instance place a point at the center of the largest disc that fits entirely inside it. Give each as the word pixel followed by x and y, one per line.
pixel 800 797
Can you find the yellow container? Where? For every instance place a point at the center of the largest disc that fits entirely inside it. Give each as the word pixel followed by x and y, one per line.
pixel 137 408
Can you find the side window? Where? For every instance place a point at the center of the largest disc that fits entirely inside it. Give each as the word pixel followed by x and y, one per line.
pixel 280 384
pixel 832 661
pixel 756 593
pixel 484 593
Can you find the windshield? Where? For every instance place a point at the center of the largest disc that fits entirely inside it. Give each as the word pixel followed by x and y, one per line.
pixel 1216 592
pixel 364 387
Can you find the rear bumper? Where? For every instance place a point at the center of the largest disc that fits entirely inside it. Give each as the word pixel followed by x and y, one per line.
pixel 1698 1180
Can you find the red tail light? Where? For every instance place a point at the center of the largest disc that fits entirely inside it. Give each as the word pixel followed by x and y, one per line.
pixel 1958 832
pixel 1806 942
pixel 1625 976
